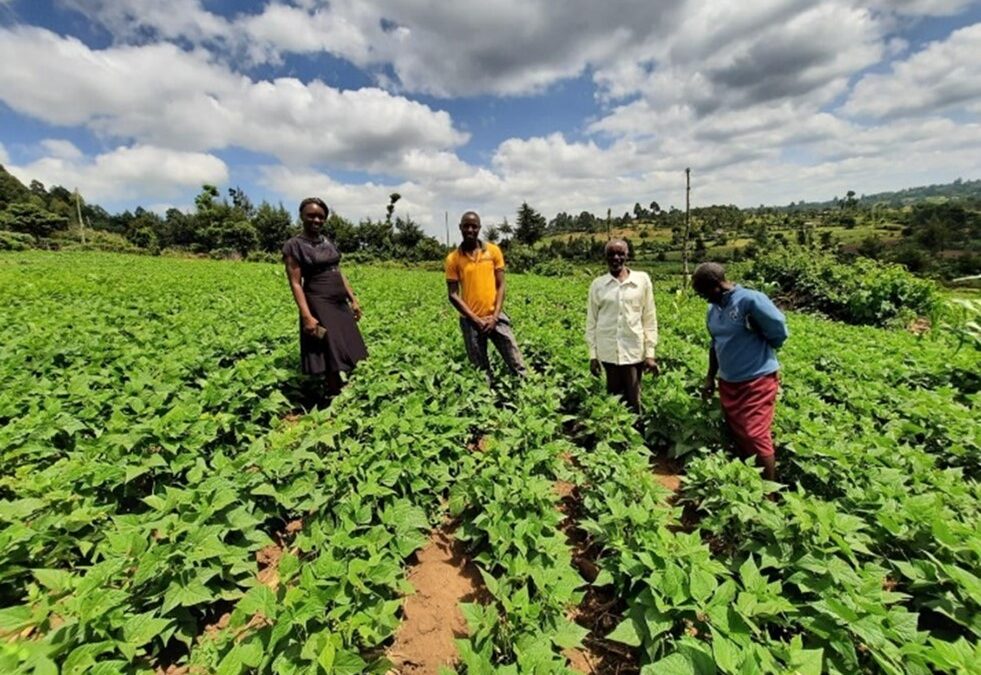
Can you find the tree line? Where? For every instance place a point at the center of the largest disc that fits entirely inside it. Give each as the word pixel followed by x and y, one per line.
pixel 939 236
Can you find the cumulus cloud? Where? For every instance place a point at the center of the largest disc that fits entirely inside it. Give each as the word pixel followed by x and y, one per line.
pixel 746 93
pixel 162 95
pixel 60 149
pixel 941 75
pixel 447 49
pixel 925 7
pixel 142 20
pixel 138 172
pixel 727 56
pixel 351 200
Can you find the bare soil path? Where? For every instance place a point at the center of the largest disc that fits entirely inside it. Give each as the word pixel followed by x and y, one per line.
pixel 443 577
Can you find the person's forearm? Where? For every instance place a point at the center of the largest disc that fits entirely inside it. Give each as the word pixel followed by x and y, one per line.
pixel 301 300
pixel 499 301
pixel 713 364
pixel 350 291
pixel 462 307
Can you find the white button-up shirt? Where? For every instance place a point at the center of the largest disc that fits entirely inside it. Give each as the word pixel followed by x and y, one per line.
pixel 621 321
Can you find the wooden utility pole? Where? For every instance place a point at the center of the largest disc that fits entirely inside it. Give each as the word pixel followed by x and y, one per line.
pixel 78 210
pixel 446 222
pixel 684 245
pixel 609 224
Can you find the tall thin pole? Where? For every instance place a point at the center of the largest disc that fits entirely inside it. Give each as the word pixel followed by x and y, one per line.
pixel 446 222
pixel 609 224
pixel 78 209
pixel 684 245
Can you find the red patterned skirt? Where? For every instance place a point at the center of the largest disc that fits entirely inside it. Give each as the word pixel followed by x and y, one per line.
pixel 749 408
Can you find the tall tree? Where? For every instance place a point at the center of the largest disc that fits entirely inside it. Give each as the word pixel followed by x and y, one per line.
pixel 531 225
pixel 407 233
pixel 273 226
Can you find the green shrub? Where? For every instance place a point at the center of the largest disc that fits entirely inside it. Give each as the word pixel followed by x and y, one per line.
pixel 95 240
pixel 862 291
pixel 264 257
pixel 15 241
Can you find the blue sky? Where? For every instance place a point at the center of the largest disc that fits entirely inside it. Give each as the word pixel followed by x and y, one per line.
pixel 569 105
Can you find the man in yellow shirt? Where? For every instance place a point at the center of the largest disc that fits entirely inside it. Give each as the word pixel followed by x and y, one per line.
pixel 475 283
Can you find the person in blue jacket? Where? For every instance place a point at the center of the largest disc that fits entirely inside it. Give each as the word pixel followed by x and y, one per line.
pixel 746 329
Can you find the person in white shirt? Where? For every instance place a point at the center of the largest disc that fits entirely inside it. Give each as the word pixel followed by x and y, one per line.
pixel 621 326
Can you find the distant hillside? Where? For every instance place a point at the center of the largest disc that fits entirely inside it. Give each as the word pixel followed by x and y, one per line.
pixel 958 190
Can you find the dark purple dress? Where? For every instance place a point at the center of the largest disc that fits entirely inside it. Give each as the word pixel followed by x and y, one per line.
pixel 327 298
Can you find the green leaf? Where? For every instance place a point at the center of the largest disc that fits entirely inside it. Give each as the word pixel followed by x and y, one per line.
pixel 626 633
pixel 141 628
pixel 193 593
pixel 15 619
pixel 54 580
pixel 250 653
pixel 749 574
pixel 726 653
pixel 702 584
pixel 258 600
pixel 656 622
pixel 604 578
pixel 326 656
pixel 807 662
pixel 348 663
pixel 673 664
pixel 569 634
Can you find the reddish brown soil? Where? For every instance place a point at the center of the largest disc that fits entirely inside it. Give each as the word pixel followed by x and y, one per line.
pixel 599 611
pixel 173 670
pixel 564 489
pixel 478 444
pixel 443 577
pixel 268 559
pixel 919 326
pixel 666 472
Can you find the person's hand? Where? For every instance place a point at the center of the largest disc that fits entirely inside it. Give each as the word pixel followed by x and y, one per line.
pixel 708 389
pixel 310 325
pixel 594 367
pixel 356 310
pixel 490 323
pixel 650 365
pixel 480 323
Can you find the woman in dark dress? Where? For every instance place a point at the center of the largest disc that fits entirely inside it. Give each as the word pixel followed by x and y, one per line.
pixel 330 341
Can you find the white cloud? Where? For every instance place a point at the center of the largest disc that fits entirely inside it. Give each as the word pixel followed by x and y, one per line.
pixel 354 201
pixel 743 92
pixel 924 7
pixel 138 172
pixel 61 149
pixel 135 19
pixel 161 95
pixel 726 56
pixel 447 49
pixel 943 75
pixel 4 157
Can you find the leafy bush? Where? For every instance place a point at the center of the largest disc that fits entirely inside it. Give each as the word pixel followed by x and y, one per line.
pixel 95 240
pixel 860 292
pixel 15 241
pixel 264 257
pixel 521 258
pixel 224 253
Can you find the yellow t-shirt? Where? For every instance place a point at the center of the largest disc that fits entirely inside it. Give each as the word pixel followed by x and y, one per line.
pixel 475 272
